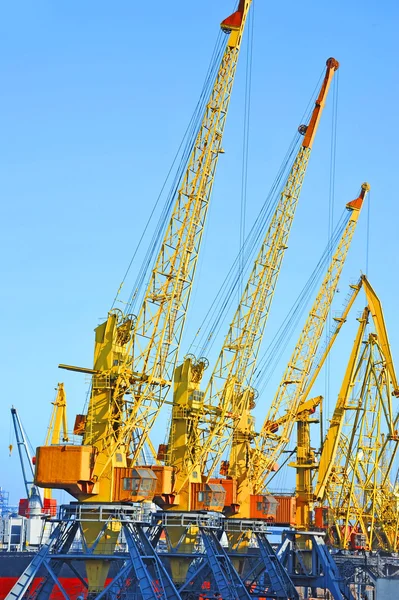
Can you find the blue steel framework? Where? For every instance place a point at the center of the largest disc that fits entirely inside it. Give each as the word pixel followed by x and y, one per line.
pixel 140 569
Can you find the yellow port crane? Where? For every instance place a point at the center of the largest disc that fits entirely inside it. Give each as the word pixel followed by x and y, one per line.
pixel 201 421
pixel 306 463
pixel 353 483
pixel 289 403
pixel 335 445
pixel 57 431
pixel 250 466
pixel 135 356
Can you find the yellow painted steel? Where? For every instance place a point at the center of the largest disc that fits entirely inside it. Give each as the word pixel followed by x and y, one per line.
pixel 274 438
pixel 354 475
pixel 305 463
pixel 57 432
pixel 377 314
pixel 228 398
pixel 135 356
pixel 358 490
pixel 145 371
pixel 340 321
pixel 331 442
pixel 58 427
pixel 182 452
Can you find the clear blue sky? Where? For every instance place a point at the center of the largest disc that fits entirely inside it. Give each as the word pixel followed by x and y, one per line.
pixel 95 99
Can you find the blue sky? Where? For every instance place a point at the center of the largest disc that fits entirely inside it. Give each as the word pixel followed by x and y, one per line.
pixel 95 99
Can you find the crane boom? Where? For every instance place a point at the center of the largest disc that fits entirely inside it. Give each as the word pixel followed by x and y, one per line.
pixel 340 320
pixel 135 356
pixel 58 419
pixel 289 393
pixel 377 314
pixel 236 362
pixel 25 457
pixel 159 325
pixel 331 443
pixel 360 448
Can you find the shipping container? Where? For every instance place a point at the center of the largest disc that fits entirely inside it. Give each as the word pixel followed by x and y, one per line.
pixel 134 485
pixel 286 510
pixel 207 496
pixel 230 487
pixel 164 479
pixel 263 507
pixel 322 517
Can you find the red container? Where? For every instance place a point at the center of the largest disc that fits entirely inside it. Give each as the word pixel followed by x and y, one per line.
pixel 286 510
pixel 230 487
pixel 263 507
pixel 321 517
pixel 23 507
pixel 49 507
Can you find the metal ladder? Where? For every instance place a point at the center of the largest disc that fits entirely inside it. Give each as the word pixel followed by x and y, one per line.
pixel 152 577
pixel 334 581
pixel 280 581
pixel 228 581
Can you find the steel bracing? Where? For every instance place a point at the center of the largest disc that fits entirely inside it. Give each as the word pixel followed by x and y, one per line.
pixel 314 566
pixel 281 417
pixel 140 566
pixel 203 425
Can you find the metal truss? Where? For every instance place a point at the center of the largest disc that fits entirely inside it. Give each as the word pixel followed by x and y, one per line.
pixel 312 565
pixel 141 570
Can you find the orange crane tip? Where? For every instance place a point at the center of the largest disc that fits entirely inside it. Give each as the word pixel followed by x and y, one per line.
pixel 332 63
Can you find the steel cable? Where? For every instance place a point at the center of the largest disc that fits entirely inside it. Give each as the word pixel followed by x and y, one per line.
pixel 274 351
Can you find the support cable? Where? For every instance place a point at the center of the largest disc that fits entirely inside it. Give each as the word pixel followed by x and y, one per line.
pixel 183 151
pixel 194 126
pixel 368 236
pixel 333 152
pixel 245 149
pixel 274 351
pixel 214 318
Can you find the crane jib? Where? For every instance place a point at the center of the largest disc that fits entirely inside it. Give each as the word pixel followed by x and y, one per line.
pixel 206 438
pixel 123 408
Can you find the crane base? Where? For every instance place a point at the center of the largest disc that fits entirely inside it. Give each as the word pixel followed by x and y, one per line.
pixel 140 566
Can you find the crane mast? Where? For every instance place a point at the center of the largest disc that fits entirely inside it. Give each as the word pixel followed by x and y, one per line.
pixel 331 442
pixel 135 356
pixel 278 425
pixel 58 427
pixel 235 366
pixel 25 457
pixel 355 482
pixel 196 448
